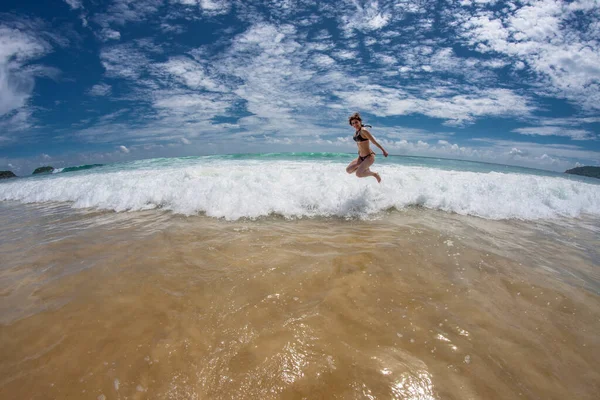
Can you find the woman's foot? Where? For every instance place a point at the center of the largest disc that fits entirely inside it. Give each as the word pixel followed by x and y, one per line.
pixel 376 175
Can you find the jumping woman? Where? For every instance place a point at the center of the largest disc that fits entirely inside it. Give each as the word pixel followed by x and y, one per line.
pixel 366 157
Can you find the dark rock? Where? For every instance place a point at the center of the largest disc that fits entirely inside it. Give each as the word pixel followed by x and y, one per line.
pixel 7 174
pixel 42 170
pixel 593 172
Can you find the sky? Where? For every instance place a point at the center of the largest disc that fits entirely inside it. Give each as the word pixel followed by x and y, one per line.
pixel 90 81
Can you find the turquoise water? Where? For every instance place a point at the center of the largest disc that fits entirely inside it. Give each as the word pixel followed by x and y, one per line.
pixel 427 162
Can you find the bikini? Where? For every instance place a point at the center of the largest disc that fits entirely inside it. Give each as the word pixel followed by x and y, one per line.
pixel 358 138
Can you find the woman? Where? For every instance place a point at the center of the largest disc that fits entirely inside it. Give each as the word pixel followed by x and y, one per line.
pixel 366 157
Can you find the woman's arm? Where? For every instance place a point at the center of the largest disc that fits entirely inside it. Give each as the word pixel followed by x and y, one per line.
pixel 368 135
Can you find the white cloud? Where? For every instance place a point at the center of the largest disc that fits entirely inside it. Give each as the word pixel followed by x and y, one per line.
pixel 172 28
pixel 189 72
pixel 17 121
pixel 18 47
pixel 191 103
pixel 322 35
pixel 208 7
pixel 14 93
pixel 101 89
pixel 575 134
pixel 74 4
pixel 22 43
pixel 378 20
pixel 570 121
pixel 186 2
pixel 124 149
pixel 215 7
pixel 527 154
pixel 122 11
pixel 112 116
pixel 276 81
pixel 456 109
pixel 84 21
pixel 123 61
pixel 322 60
pixel 540 35
pixel 395 132
pixel 516 152
pixel 345 54
pixel 321 46
pixel 386 59
pixel 371 17
pixel 110 34
pixel 532 152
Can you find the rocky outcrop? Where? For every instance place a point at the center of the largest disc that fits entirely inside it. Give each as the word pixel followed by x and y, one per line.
pixel 593 172
pixel 7 174
pixel 42 170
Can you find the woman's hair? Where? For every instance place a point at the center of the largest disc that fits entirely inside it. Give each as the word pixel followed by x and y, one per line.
pixel 353 117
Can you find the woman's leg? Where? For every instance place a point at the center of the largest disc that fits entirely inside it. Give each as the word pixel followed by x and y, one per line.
pixel 363 169
pixel 353 166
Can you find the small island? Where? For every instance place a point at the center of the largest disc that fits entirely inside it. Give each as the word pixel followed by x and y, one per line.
pixel 7 174
pixel 42 170
pixel 593 172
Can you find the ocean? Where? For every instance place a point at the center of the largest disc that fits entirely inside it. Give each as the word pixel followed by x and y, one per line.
pixel 281 276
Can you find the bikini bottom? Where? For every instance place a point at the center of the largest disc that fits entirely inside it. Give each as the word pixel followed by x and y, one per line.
pixel 363 158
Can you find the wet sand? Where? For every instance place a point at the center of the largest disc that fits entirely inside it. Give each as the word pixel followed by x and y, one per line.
pixel 416 304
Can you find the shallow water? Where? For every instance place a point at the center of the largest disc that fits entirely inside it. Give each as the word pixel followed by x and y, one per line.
pixel 417 304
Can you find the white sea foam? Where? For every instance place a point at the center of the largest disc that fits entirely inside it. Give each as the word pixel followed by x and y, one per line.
pixel 234 189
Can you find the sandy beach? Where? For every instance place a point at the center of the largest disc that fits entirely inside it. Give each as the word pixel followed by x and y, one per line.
pixel 413 304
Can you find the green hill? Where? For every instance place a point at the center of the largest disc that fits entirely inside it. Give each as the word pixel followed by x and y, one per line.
pixel 593 172
pixel 6 174
pixel 43 170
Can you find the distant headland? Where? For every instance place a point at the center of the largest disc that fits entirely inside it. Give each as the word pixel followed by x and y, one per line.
pixel 40 170
pixel 7 174
pixel 593 172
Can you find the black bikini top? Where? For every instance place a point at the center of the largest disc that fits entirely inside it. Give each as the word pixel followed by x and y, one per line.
pixel 358 137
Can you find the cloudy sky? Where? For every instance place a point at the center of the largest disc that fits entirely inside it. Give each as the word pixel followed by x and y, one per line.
pixel 91 81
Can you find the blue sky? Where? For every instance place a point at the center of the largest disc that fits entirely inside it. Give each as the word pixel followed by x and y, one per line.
pixel 103 81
